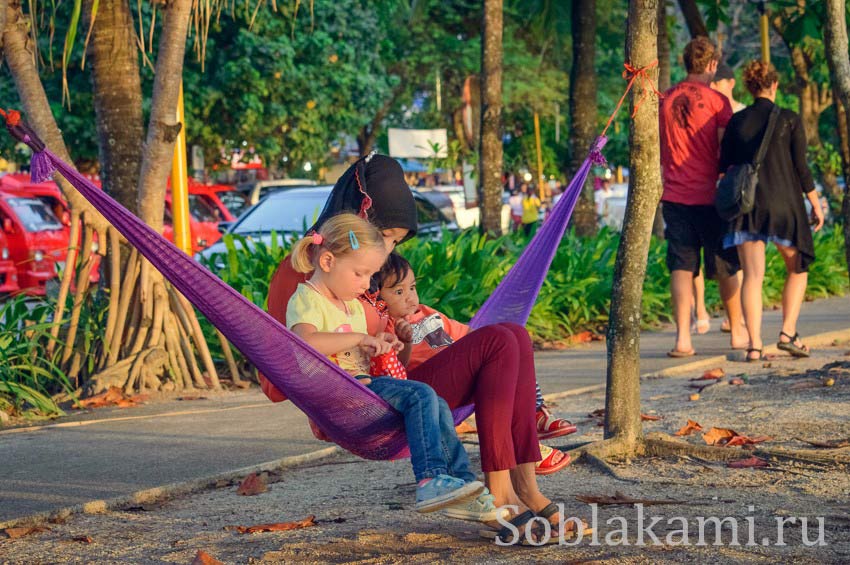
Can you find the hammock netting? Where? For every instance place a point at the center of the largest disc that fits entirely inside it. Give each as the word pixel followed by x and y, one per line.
pixel 349 413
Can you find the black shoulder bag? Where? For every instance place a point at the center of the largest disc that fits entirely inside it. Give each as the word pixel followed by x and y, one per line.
pixel 736 191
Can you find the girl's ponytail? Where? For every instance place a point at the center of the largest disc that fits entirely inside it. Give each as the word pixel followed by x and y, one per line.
pixel 302 255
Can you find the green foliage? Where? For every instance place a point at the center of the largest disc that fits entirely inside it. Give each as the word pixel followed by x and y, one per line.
pixel 28 375
pixel 457 273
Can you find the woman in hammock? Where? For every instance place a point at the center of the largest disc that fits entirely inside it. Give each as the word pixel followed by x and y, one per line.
pixel 469 371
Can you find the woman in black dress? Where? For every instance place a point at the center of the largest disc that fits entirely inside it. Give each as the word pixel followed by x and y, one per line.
pixel 779 214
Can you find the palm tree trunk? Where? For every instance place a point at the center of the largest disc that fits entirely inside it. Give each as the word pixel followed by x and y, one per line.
pixel 118 98
pixel 491 118
pixel 583 107
pixel 622 404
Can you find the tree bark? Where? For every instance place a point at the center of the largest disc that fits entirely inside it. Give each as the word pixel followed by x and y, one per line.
pixel 163 126
pixel 693 18
pixel 491 119
pixel 118 98
pixel 664 82
pixel 583 107
pixel 622 403
pixel 836 46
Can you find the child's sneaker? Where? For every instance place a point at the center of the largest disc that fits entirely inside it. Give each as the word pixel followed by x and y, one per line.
pixel 480 509
pixel 443 490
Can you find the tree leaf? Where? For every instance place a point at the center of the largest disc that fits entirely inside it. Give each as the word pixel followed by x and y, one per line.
pixel 307 522
pixel 748 463
pixel 688 429
pixel 253 485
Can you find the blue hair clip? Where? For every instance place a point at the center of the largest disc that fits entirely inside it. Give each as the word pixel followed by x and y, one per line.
pixel 352 239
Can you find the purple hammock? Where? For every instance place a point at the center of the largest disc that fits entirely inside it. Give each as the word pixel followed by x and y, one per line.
pixel 349 413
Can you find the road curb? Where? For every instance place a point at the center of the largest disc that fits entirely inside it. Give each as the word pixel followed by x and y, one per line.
pixel 175 489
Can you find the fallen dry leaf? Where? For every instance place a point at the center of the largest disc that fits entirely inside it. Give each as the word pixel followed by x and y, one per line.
pixel 688 429
pixel 736 381
pixel 744 440
pixel 694 396
pixel 748 463
pixel 465 428
pixel 112 397
pixel 620 499
pixel 718 436
pixel 712 375
pixel 598 413
pixel 15 533
pixel 191 397
pixel 252 485
pixel 307 522
pixel 650 418
pixel 581 337
pixel 204 558
pixel 833 444
pixel 83 539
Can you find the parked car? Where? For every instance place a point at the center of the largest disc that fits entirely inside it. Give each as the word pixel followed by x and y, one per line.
pixel 8 271
pixel 291 212
pixel 467 216
pixel 222 197
pixel 206 210
pixel 254 191
pixel 36 222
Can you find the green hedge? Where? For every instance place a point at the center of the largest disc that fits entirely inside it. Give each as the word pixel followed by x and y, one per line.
pixel 458 273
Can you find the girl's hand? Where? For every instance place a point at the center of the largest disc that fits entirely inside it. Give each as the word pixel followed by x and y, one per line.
pixel 375 346
pixel 404 330
pixel 392 340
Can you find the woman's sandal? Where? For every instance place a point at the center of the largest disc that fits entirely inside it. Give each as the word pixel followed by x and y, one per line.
pixel 555 537
pixel 753 359
pixel 507 535
pixel 548 464
pixel 791 345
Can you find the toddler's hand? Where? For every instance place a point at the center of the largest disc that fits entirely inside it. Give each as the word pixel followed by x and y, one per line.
pixel 392 340
pixel 404 330
pixel 375 346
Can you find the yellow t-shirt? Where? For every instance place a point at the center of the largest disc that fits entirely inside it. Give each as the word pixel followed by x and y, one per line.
pixel 307 306
pixel 530 210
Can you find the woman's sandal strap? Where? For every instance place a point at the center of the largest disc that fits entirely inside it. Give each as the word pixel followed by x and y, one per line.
pixel 548 510
pixel 793 338
pixel 517 521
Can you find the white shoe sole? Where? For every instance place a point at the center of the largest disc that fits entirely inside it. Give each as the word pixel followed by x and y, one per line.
pixel 467 491
pixel 461 514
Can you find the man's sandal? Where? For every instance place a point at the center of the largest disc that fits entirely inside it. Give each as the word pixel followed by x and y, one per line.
pixel 551 463
pixel 791 345
pixel 548 426
pixel 753 359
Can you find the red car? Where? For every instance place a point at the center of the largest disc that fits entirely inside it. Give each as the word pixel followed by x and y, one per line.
pixel 36 222
pixel 8 272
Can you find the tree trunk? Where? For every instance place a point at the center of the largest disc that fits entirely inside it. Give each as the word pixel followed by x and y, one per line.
pixel 118 103
pixel 836 46
pixel 664 81
pixel 491 119
pixel 622 402
pixel 693 18
pixel 583 108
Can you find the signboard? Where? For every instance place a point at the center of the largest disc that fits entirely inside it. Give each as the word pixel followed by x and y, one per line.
pixel 418 143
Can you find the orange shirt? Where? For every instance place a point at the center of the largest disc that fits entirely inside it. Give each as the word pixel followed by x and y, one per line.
pixel 281 288
pixel 433 331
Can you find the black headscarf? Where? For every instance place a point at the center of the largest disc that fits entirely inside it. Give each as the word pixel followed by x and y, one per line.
pixel 373 187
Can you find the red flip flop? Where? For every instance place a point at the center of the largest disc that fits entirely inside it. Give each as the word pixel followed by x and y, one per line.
pixel 548 465
pixel 549 426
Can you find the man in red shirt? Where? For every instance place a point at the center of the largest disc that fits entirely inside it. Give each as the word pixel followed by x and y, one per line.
pixel 692 120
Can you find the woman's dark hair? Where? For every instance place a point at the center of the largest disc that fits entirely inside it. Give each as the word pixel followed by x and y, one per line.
pixel 393 272
pixel 759 76
pixel 374 188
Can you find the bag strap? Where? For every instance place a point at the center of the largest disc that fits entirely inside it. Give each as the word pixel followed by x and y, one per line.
pixel 771 125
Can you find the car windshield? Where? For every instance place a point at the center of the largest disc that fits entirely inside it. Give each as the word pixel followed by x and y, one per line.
pixel 287 213
pixel 203 209
pixel 233 201
pixel 34 214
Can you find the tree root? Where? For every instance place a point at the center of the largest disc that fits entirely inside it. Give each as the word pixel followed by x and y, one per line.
pixel 602 465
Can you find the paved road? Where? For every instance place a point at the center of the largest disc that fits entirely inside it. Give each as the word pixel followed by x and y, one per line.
pixel 110 452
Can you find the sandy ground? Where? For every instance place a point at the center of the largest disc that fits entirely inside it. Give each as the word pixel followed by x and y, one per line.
pixel 364 515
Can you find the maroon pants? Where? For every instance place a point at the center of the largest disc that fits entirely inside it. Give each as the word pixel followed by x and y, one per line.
pixel 492 367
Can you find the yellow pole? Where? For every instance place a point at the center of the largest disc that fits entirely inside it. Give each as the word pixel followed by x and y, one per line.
pixel 541 187
pixel 180 185
pixel 765 38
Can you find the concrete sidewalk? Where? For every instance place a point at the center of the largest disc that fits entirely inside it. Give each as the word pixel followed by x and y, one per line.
pixel 113 453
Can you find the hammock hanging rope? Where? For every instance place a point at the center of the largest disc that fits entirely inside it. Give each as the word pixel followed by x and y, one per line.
pixel 349 413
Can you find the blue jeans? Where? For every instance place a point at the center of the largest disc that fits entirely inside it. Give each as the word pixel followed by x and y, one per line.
pixel 434 446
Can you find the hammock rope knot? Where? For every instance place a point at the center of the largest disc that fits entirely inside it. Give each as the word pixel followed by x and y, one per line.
pixel 632 74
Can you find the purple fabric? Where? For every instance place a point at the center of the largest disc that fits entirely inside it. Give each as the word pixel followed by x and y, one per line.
pixel 349 413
